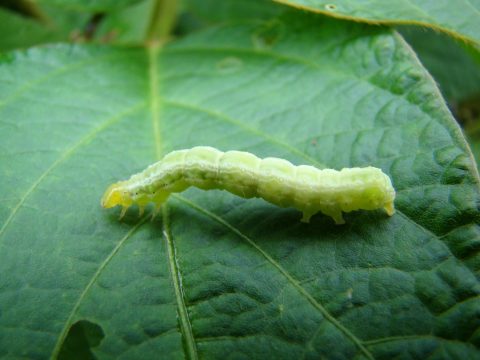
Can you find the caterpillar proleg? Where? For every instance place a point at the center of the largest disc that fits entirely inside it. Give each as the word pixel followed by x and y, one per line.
pixel 275 180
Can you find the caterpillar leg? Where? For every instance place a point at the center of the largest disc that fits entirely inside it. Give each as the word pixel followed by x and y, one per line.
pixel 141 210
pixel 338 218
pixel 159 199
pixel 156 211
pixel 335 214
pixel 306 216
pixel 122 213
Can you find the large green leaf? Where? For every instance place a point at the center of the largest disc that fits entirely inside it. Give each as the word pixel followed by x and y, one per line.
pixel 460 18
pixel 217 276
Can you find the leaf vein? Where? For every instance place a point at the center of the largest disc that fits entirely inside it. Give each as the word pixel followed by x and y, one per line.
pixel 185 325
pixel 66 154
pixel 61 70
pixel 68 322
pixel 295 283
pixel 308 63
pixel 222 117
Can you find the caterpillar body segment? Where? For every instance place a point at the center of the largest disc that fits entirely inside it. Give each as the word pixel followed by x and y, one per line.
pixel 279 182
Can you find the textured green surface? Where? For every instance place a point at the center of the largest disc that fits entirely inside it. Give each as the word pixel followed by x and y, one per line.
pixel 217 276
pixel 460 18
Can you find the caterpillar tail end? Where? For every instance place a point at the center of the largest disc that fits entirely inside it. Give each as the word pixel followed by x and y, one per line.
pixel 389 208
pixel 155 211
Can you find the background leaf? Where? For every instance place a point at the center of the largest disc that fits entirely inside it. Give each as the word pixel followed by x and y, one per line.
pixel 453 65
pixel 233 9
pixel 456 69
pixel 90 5
pixel 58 20
pixel 126 25
pixel 19 31
pixel 474 140
pixel 459 18
pixel 218 275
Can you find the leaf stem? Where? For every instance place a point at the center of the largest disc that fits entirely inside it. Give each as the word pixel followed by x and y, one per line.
pixel 162 20
pixel 30 8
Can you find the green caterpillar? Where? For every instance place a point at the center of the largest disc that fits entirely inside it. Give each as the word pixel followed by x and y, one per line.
pixel 276 180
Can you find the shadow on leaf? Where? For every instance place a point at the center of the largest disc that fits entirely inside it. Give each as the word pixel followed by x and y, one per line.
pixel 82 337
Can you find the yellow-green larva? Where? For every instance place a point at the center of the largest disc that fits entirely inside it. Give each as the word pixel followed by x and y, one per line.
pixel 279 182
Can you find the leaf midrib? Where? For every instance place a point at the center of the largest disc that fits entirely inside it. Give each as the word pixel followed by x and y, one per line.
pixel 185 324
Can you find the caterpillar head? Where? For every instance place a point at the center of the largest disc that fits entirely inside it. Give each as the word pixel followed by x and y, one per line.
pixel 116 194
